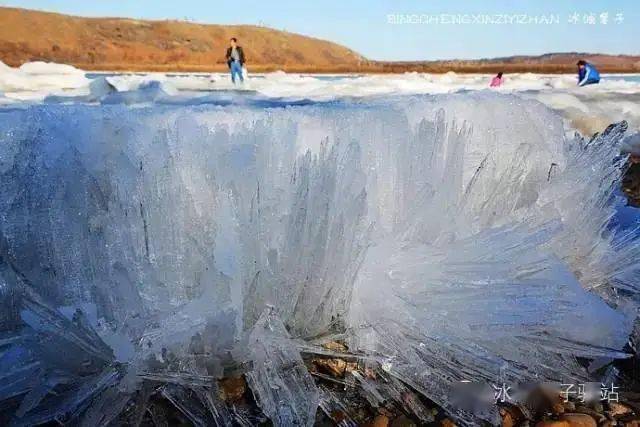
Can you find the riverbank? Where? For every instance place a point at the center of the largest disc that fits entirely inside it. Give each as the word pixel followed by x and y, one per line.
pixel 365 68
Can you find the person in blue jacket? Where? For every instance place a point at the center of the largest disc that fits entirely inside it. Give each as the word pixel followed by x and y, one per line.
pixel 587 74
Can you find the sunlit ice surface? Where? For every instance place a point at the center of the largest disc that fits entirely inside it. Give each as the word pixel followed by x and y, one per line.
pixel 152 236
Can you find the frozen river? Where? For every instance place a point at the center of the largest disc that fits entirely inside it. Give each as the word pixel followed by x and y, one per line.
pixel 158 231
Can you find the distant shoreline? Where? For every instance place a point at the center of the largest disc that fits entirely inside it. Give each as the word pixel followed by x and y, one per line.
pixel 381 68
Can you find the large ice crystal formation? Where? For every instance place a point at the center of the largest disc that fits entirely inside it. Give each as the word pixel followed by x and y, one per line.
pixel 146 251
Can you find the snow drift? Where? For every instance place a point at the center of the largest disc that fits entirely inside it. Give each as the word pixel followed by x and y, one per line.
pixel 41 77
pixel 155 247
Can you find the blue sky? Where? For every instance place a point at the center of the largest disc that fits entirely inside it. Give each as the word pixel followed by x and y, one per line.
pixel 367 25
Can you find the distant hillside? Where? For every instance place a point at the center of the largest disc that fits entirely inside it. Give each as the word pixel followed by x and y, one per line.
pixel 547 63
pixel 128 44
pixel 136 45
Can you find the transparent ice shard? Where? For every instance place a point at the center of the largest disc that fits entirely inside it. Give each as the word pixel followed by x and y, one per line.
pixel 334 408
pixel 106 408
pixel 199 405
pixel 280 382
pixel 71 404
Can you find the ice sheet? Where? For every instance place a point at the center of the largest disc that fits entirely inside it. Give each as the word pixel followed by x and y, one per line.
pixel 586 109
pixel 426 229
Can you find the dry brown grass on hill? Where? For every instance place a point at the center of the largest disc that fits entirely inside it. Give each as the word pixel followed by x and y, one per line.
pixel 114 43
pixel 120 44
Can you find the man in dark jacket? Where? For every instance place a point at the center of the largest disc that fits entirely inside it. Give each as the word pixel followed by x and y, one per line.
pixel 235 60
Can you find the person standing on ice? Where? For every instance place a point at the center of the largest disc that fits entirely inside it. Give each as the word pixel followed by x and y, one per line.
pixel 587 74
pixel 235 60
pixel 497 80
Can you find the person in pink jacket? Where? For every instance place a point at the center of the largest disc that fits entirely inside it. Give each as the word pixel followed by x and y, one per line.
pixel 497 80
